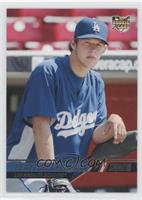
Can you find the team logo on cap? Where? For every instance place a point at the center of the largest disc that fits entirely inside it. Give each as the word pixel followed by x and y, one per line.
pixel 121 24
pixel 96 27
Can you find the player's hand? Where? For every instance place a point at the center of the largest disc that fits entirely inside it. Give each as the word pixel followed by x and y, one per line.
pixel 116 127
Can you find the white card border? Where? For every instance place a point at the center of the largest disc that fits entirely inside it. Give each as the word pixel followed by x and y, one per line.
pixel 65 4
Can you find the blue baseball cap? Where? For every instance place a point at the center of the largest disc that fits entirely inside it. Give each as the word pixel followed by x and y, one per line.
pixel 91 28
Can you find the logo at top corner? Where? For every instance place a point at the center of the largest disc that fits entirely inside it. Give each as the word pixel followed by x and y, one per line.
pixel 121 24
pixel 96 27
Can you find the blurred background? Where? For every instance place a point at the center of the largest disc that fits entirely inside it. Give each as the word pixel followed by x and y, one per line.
pixel 37 34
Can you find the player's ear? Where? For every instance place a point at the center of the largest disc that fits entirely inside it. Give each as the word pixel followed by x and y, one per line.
pixel 73 44
pixel 106 48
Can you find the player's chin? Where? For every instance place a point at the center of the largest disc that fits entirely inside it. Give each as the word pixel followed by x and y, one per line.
pixel 91 59
pixel 91 64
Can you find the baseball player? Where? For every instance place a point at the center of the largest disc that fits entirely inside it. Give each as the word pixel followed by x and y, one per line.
pixel 63 108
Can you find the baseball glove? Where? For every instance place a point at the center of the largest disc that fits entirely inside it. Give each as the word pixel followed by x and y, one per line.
pixel 58 185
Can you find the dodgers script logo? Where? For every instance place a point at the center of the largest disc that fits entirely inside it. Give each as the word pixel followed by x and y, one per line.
pixel 71 125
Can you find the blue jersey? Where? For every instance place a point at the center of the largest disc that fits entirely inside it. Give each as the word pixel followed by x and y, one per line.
pixel 76 104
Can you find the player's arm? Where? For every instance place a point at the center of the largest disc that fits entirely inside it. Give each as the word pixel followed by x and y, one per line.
pixel 45 150
pixel 43 137
pixel 113 128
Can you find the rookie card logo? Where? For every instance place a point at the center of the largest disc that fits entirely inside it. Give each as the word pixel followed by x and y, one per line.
pixel 121 24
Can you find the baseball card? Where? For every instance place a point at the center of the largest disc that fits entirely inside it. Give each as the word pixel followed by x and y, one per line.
pixel 72 93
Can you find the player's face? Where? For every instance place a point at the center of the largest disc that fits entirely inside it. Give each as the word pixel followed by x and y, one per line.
pixel 89 51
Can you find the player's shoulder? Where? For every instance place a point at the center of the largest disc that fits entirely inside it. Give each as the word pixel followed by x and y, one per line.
pixel 96 75
pixel 49 66
pixel 96 79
